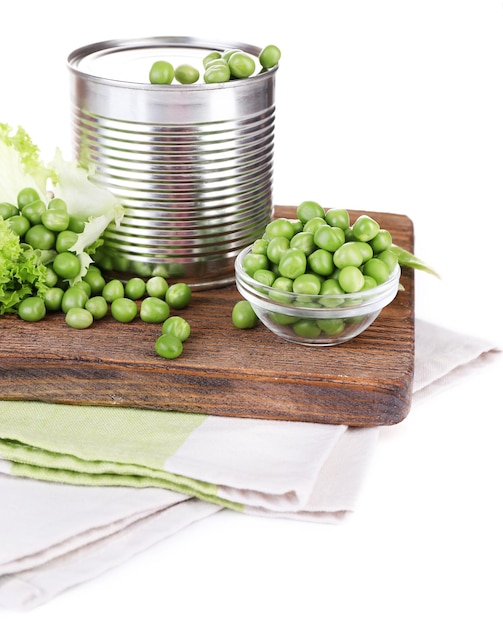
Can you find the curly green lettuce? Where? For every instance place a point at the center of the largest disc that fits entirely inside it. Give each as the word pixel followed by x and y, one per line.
pixel 22 272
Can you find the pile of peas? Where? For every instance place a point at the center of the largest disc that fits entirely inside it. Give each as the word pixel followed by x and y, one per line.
pixel 218 67
pixel 52 230
pixel 319 253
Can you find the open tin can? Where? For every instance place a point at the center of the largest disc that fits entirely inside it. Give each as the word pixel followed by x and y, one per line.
pixel 191 164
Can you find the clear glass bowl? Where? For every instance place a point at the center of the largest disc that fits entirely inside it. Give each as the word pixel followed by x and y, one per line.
pixel 315 320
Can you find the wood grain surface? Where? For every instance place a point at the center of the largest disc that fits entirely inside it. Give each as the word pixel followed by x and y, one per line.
pixel 223 370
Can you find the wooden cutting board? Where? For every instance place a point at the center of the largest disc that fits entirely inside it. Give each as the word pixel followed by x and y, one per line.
pixel 223 370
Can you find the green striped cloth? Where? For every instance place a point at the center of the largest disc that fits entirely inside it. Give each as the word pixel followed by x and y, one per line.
pixel 258 466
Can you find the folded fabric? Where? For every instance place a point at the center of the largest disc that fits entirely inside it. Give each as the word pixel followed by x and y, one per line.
pixel 252 465
pixel 55 536
pixel 69 476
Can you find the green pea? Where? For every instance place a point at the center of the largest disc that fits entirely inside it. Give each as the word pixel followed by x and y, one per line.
pixel 349 254
pixel 65 240
pixel 217 74
pixel 351 279
pixel 77 224
pixel 308 284
pixel 348 233
pixel 283 297
pixel 53 298
pixel 177 326
pixel 19 224
pixel 186 74
pixel 309 209
pixel 331 327
pixel 221 62
pixel 304 241
pixel 365 228
pixel 241 65
pixel 365 249
pixel 259 246
pixel 282 319
pixel 329 237
pixel 156 286
pixel 269 56
pixel 66 265
pixel 57 203
pixel 330 290
pixel 293 263
pixel 312 225
pixel 280 227
pixel 32 309
pixel 86 287
pixel 79 318
pixel 178 295
pixel 161 269
pixel 97 306
pixel 51 278
pixel 26 196
pixel 252 262
pixel 40 237
pixel 297 226
pixel 266 277
pixel 124 310
pixel 331 287
pixel 74 297
pixel 243 315
pixel 168 346
pixel 112 290
pixel 390 258
pixel 226 54
pixel 283 288
pixel 161 73
pixel 377 269
pixel 382 241
pixel 135 288
pixel 277 248
pixel 369 282
pixel 283 284
pixel 56 219
pixel 154 310
pixel 307 328
pixel 211 56
pixel 96 281
pixel 321 262
pixel 338 217
pixel 34 211
pixel 8 210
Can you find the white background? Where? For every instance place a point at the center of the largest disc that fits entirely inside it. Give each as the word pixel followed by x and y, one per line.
pixel 381 106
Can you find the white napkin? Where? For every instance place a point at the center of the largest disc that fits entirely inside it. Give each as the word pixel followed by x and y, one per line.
pixel 56 535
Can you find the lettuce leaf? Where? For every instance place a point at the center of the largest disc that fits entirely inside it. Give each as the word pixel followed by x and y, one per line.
pixel 22 272
pixel 86 200
pixel 21 166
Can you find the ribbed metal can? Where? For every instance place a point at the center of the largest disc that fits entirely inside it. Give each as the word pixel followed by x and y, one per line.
pixel 191 164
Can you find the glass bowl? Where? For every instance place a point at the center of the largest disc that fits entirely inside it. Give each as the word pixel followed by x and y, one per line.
pixel 319 320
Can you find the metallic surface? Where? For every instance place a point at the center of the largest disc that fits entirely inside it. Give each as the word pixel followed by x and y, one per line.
pixel 191 164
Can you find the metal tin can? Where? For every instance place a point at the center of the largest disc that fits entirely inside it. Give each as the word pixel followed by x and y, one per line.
pixel 191 164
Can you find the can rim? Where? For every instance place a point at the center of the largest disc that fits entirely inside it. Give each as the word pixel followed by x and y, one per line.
pixel 119 45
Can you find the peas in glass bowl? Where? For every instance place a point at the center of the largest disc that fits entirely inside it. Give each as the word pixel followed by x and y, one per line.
pixel 306 310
